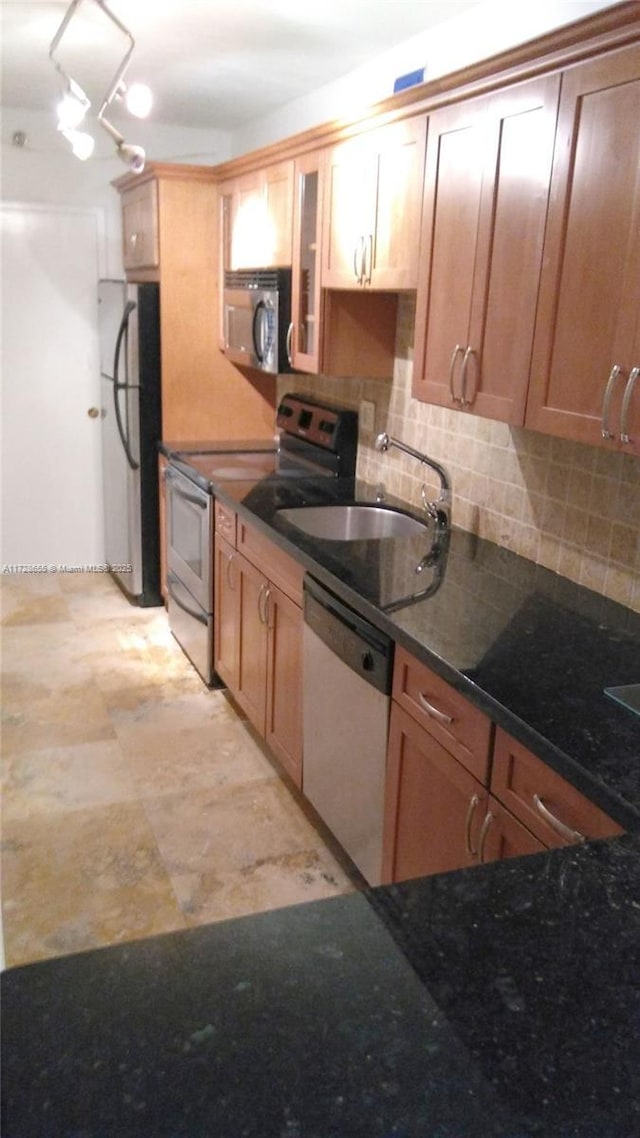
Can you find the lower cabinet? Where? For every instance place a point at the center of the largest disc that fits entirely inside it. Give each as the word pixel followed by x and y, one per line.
pixel 454 800
pixel 433 806
pixel 258 636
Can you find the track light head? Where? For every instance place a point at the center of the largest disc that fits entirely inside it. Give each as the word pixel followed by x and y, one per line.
pixel 133 156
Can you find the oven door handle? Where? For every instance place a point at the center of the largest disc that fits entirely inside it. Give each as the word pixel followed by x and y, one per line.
pixel 193 498
pixel 171 578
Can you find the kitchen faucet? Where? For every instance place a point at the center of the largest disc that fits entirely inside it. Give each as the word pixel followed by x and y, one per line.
pixel 440 510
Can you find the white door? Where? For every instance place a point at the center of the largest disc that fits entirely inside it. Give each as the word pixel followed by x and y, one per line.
pixel 51 465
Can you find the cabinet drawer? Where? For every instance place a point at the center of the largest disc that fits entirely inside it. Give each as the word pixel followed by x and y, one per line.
pixel 547 804
pixel 444 713
pixel 277 565
pixel 226 523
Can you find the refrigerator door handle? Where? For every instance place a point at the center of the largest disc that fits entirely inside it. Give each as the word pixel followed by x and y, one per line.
pixel 117 387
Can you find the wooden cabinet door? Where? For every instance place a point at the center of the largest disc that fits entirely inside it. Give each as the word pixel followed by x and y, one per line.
pixel 550 807
pixel 586 339
pixel 140 243
pixel 349 210
pixel 392 250
pixel 283 726
pixel 252 647
pixel 226 636
pixel 257 210
pixel 433 806
pixel 373 201
pixel 487 178
pixel 277 191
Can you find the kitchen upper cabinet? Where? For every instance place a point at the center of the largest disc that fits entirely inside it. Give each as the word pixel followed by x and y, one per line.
pixel 372 207
pixel 586 357
pixel 202 395
pixel 140 236
pixel 487 175
pixel 257 218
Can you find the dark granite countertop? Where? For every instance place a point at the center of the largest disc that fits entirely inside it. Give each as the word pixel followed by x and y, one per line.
pixel 497 1002
pixel 531 648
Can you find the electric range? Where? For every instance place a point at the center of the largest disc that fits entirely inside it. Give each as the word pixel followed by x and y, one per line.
pixel 315 440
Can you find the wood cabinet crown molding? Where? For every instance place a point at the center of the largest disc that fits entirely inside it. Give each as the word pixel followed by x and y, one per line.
pixel 165 170
pixel 614 27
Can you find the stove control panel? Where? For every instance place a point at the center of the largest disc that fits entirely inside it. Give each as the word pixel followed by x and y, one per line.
pixel 333 428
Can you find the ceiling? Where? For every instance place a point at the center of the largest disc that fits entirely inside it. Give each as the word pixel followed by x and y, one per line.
pixel 210 63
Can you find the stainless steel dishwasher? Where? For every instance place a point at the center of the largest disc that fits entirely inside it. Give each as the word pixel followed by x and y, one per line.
pixel 347 670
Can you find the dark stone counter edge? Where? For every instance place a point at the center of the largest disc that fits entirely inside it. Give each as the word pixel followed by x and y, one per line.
pixel 622 811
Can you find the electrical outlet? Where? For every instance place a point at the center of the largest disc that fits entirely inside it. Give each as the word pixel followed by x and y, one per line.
pixel 367 415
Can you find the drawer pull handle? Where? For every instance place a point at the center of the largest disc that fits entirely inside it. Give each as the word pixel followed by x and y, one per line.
pixel 454 398
pixel 555 823
pixel 434 712
pixel 614 374
pixel 473 803
pixel 489 817
pixel 626 400
pixel 230 583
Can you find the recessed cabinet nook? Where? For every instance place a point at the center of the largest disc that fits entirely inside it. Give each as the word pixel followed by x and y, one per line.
pixel 507 198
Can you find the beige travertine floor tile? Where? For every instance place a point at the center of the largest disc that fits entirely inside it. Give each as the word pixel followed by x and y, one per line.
pixel 142 653
pixel 83 879
pixel 229 829
pixel 71 715
pixel 59 779
pixel 136 801
pixel 269 883
pixel 46 655
pixel 220 756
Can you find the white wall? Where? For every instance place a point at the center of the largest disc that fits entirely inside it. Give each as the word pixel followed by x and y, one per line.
pixel 492 27
pixel 45 170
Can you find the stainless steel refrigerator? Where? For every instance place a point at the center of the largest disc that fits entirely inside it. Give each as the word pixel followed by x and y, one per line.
pixel 129 319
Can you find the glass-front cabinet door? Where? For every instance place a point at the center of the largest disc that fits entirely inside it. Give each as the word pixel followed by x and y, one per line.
pixel 306 296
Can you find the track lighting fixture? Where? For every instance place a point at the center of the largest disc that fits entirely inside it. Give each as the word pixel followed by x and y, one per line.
pixel 74 103
pixel 82 144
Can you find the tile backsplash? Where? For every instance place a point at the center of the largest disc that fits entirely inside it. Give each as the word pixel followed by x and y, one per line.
pixel 570 507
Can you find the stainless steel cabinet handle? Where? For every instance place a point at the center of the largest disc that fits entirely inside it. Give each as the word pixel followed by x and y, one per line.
pixel 555 823
pixel 358 260
pixel 367 262
pixel 454 398
pixel 434 712
pixel 464 402
pixel 611 382
pixel 263 602
pixel 489 818
pixel 289 339
pixel 473 805
pixel 230 583
pixel 626 400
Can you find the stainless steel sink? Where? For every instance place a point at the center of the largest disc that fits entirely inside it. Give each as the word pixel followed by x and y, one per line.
pixel 353 523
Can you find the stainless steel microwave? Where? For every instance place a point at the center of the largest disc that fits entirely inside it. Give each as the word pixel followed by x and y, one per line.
pixel 256 318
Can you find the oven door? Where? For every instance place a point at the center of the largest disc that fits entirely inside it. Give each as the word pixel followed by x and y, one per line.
pixel 190 536
pixel 192 627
